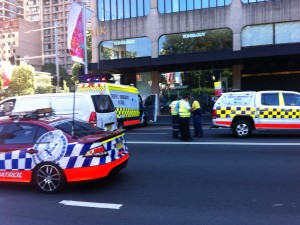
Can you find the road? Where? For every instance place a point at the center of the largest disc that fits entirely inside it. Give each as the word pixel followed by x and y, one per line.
pixel 216 180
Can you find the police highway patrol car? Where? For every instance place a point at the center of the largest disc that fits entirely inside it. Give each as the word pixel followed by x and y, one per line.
pixel 51 151
pixel 245 111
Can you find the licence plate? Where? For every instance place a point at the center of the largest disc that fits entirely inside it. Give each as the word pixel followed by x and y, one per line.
pixel 119 145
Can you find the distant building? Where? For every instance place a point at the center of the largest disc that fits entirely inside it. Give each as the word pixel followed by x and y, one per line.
pixel 11 9
pixel 18 42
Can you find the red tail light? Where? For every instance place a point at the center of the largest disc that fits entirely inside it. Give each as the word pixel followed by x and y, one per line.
pixel 93 119
pixel 97 152
pixel 214 114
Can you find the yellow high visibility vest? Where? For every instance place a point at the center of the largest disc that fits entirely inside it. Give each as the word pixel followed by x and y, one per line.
pixel 183 112
pixel 172 106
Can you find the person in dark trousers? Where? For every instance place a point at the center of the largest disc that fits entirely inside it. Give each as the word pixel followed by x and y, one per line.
pixel 184 109
pixel 197 117
pixel 175 117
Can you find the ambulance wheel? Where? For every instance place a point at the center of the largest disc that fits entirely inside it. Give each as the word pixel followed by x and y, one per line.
pixel 242 128
pixel 48 178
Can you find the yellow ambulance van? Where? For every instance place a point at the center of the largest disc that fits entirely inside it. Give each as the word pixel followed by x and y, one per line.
pixel 131 109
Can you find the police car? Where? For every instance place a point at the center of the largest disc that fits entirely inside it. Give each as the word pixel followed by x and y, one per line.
pixel 246 111
pixel 50 151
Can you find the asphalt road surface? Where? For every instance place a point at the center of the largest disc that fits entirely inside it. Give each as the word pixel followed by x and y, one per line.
pixel 215 180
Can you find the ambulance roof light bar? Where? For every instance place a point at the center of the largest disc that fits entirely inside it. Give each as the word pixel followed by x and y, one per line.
pixel 88 78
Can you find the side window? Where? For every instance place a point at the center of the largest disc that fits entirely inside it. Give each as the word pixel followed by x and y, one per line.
pixel 270 99
pixel 7 107
pixel 22 133
pixel 291 99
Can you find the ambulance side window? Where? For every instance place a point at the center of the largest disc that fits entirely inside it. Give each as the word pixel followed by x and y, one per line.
pixel 270 99
pixel 291 99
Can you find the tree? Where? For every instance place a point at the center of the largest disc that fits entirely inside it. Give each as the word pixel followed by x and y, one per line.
pixel 1 83
pixel 42 83
pixel 22 81
pixel 63 75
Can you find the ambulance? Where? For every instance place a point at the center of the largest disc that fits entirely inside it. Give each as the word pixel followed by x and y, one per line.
pixel 245 111
pixel 130 107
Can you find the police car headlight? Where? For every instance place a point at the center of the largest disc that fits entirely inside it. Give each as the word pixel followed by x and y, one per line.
pixel 96 152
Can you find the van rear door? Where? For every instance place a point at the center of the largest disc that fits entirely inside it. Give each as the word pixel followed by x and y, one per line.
pixel 106 113
pixel 150 107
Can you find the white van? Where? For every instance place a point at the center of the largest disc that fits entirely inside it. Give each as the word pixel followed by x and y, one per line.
pixel 91 107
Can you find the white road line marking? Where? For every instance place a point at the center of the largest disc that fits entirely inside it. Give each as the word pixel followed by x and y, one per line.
pixel 210 143
pixel 91 204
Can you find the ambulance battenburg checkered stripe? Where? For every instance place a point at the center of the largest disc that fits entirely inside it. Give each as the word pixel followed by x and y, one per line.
pixel 91 87
pixel 230 112
pixel 125 112
pixel 270 113
pixel 73 158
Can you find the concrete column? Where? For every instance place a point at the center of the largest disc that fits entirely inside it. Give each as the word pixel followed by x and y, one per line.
pixel 236 76
pixel 155 82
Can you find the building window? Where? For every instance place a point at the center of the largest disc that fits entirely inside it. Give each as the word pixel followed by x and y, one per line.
pixel 254 1
pixel 199 41
pixel 171 6
pixel 122 9
pixel 125 48
pixel 287 32
pixel 270 34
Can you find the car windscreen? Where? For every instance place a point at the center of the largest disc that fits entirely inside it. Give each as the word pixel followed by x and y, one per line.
pixel 103 103
pixel 81 128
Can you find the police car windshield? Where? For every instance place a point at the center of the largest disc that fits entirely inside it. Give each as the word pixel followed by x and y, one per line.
pixel 81 129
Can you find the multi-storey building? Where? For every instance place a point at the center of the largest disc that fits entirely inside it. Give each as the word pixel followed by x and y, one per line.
pixel 257 40
pixel 16 41
pixel 11 9
pixel 51 13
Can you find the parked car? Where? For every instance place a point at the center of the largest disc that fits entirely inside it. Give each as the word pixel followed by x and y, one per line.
pixel 51 151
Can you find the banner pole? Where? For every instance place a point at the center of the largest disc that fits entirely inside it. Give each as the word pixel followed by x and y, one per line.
pixel 84 35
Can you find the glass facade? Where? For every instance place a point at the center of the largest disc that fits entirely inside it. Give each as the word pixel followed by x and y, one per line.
pixel 171 6
pixel 254 1
pixel 125 48
pixel 201 41
pixel 122 9
pixel 269 34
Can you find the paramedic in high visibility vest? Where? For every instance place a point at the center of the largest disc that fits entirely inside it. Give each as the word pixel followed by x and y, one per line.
pixel 175 117
pixel 184 109
pixel 197 116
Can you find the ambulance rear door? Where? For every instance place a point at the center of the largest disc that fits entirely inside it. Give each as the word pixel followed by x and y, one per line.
pixel 151 107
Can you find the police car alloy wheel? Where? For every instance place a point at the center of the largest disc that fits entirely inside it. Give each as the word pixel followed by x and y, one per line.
pixel 49 178
pixel 242 128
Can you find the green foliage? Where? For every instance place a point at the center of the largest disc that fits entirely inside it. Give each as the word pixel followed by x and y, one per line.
pixel 89 44
pixel 22 81
pixel 65 88
pixel 42 83
pixel 75 72
pixel 63 75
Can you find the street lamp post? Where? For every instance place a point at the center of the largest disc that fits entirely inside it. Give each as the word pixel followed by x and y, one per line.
pixel 56 58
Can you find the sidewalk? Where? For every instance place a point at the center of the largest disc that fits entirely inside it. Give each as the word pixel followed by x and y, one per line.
pixel 167 120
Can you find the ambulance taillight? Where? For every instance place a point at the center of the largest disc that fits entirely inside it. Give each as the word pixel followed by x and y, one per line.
pixel 93 119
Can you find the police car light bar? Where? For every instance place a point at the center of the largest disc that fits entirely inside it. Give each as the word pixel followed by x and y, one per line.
pixel 32 113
